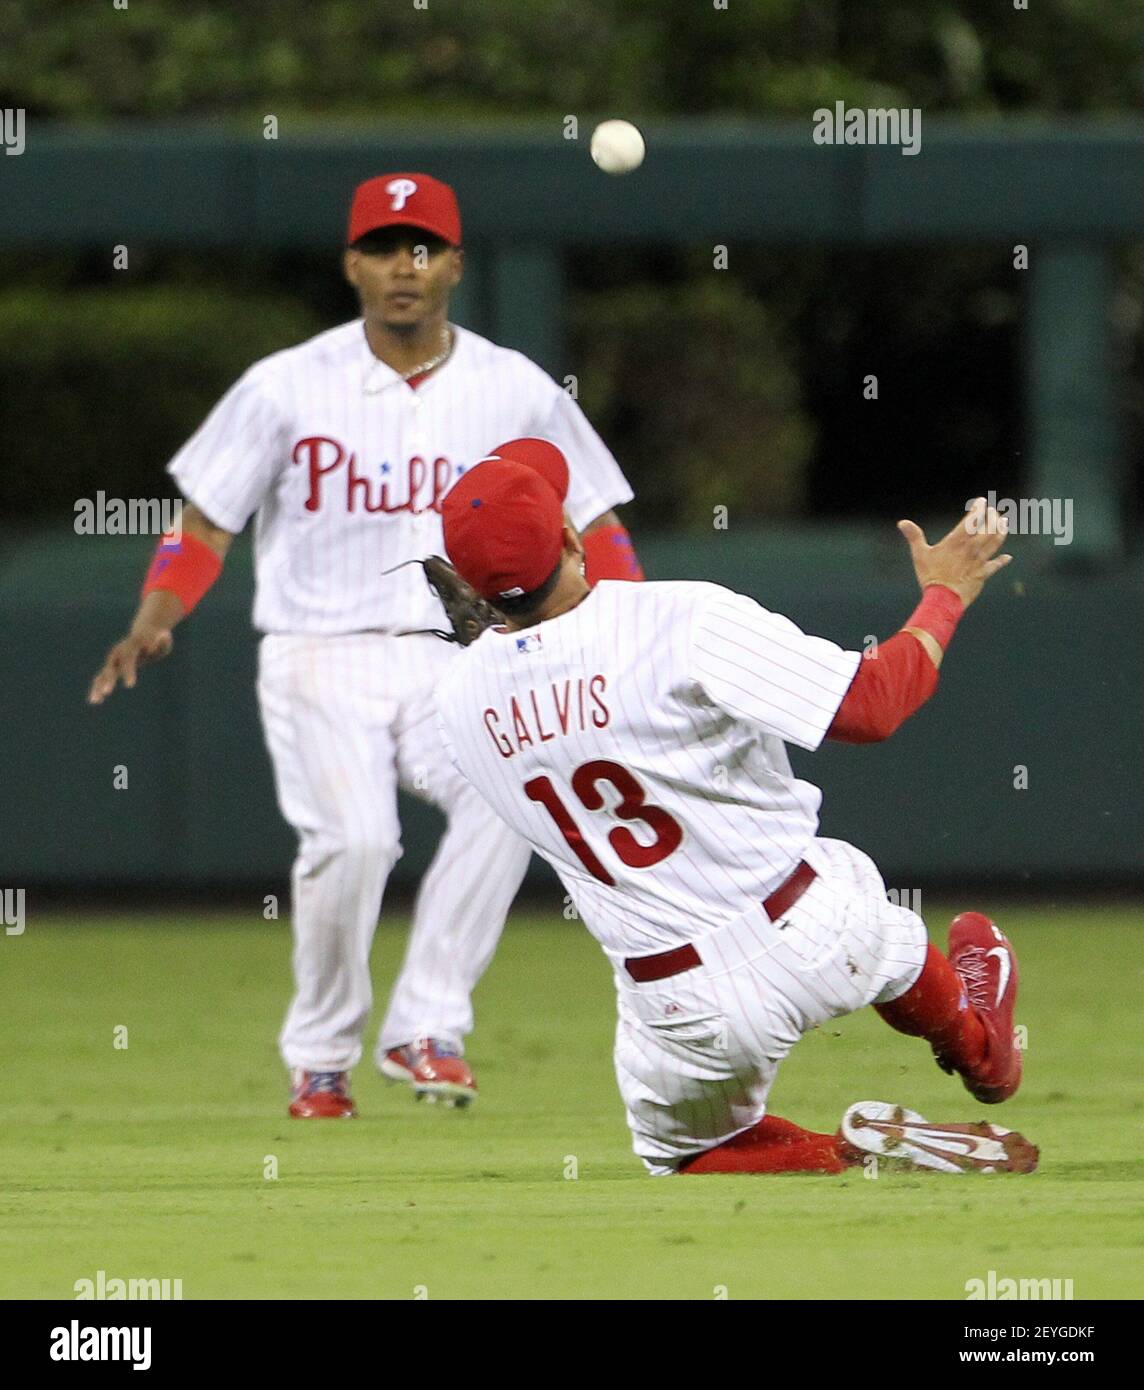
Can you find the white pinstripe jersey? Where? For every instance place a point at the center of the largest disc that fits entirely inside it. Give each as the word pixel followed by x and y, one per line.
pixel 346 465
pixel 638 742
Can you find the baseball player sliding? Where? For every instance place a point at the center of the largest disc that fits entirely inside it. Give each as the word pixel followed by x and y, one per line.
pixel 343 449
pixel 634 735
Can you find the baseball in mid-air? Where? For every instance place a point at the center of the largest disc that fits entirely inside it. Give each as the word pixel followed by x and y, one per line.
pixel 617 147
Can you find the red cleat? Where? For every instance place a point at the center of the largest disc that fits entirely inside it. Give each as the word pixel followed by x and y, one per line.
pixel 321 1095
pixel 435 1070
pixel 987 964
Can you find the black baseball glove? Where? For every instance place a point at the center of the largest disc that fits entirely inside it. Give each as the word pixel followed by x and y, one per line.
pixel 468 613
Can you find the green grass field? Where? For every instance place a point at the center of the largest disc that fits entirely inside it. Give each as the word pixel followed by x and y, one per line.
pixel 149 1161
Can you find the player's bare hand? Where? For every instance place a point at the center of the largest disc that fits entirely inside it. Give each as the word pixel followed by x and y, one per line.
pixel 965 558
pixel 138 648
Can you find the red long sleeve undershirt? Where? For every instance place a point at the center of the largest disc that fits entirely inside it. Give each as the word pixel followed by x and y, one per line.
pixel 894 684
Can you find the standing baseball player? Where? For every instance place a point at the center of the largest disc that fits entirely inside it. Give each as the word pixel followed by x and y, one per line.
pixel 343 449
pixel 634 734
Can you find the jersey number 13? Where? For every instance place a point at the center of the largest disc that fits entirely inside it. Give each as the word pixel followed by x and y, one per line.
pixel 633 806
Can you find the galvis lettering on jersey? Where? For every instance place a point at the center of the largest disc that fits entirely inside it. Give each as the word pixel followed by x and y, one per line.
pixel 573 707
pixel 333 476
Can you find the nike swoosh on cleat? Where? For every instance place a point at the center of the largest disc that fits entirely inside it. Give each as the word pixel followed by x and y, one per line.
pixel 962 1150
pixel 955 1147
pixel 1006 967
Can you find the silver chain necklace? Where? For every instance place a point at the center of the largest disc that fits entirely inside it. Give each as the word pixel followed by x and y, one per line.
pixel 447 339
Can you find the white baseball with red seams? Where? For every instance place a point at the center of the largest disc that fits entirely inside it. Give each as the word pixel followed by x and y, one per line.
pixel 637 741
pixel 344 465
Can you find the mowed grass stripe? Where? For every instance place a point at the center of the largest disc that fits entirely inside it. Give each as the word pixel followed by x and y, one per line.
pixel 149 1161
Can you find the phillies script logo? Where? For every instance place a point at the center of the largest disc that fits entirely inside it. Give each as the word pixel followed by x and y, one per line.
pixel 333 474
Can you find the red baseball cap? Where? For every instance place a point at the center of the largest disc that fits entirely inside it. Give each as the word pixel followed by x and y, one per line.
pixel 504 519
pixel 540 455
pixel 406 200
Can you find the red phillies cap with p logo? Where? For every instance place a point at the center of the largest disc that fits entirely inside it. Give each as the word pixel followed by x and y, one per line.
pixel 409 200
pixel 504 518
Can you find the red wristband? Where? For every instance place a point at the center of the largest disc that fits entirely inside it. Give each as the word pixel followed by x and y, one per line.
pixel 609 554
pixel 185 566
pixel 938 613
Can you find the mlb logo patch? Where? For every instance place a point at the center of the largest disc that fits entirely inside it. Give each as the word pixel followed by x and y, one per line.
pixel 530 642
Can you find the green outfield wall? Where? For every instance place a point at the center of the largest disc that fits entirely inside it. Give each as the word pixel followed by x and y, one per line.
pixel 1068 191
pixel 1045 677
pixel 1046 674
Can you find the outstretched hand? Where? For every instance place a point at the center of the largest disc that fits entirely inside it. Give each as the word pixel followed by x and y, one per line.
pixel 965 558
pixel 137 649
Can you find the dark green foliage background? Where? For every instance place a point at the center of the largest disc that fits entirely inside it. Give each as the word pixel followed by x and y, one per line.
pixel 339 59
pixel 741 387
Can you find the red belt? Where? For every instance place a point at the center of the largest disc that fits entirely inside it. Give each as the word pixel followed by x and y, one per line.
pixel 644 969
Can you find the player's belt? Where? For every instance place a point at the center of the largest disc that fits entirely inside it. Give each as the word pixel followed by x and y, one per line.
pixel 644 969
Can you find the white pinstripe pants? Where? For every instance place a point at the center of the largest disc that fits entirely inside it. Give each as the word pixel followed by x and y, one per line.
pixel 348 718
pixel 696 1054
